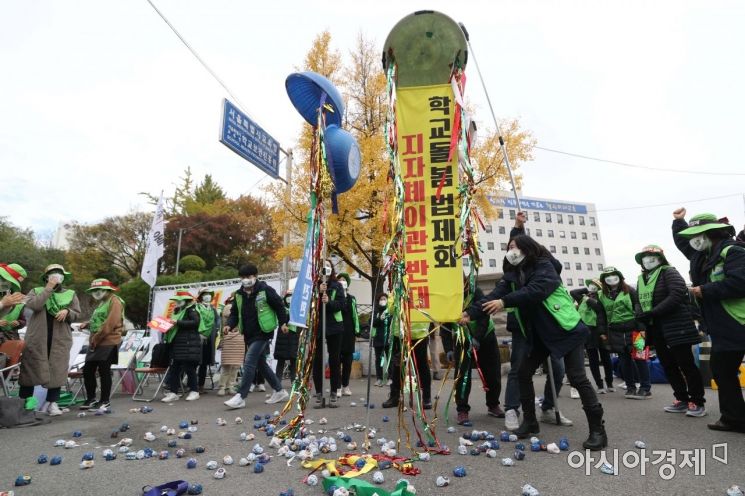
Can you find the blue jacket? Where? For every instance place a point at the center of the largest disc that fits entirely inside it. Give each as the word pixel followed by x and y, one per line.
pixel 726 333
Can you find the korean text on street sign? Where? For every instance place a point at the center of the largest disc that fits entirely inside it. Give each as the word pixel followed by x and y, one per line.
pixel 249 140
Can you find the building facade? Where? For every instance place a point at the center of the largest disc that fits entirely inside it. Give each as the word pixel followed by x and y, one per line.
pixel 570 231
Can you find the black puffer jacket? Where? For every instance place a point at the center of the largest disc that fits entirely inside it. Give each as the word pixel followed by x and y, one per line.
pixel 286 346
pixel 671 314
pixel 187 343
pixel 381 323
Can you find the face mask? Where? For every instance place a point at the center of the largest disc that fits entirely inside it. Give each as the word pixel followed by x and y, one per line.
pixel 651 262
pixel 181 304
pixel 4 288
pixel 343 283
pixel 700 242
pixel 612 281
pixel 515 256
pixel 592 288
pixel 56 278
pixel 383 303
pixel 288 300
pixel 206 298
pixel 248 282
pixel 98 294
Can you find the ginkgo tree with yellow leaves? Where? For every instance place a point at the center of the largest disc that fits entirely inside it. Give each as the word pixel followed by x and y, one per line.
pixel 357 234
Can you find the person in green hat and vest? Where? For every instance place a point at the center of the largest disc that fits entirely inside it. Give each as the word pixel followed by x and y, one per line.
pixel 185 344
pixel 663 297
pixel 257 312
pixel 351 331
pixel 718 276
pixel 285 349
pixel 380 335
pixel 106 327
pixel 49 337
pixel 621 304
pixel 596 347
pixel 11 301
pixel 209 324
pixel 552 326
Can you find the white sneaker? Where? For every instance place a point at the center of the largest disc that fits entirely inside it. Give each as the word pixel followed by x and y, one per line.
pixel 261 388
pixel 277 396
pixel 170 398
pixel 193 395
pixel 236 402
pixel 379 383
pixel 338 393
pixel 574 394
pixel 549 417
pixel 221 391
pixel 511 420
pixel 602 390
pixel 346 391
pixel 54 410
pixel 252 388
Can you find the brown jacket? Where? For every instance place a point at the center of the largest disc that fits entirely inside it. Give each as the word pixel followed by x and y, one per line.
pixel 111 331
pixel 39 368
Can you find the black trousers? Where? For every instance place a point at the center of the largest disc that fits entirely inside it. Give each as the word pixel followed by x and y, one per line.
pixel 205 363
pixel 421 352
pixel 333 346
pixel 280 368
pixel 490 364
pixel 379 351
pixel 681 371
pixel 724 368
pixel 89 379
pixel 574 363
pixel 346 368
pixel 190 369
pixel 597 356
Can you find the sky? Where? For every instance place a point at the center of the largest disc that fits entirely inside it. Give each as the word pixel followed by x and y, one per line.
pixel 100 100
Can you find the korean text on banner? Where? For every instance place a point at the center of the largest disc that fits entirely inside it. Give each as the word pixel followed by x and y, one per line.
pixel 434 272
pixel 301 296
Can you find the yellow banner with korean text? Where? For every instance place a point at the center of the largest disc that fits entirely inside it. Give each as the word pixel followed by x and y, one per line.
pixel 434 273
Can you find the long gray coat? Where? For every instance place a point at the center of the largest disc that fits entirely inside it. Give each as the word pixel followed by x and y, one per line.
pixel 36 368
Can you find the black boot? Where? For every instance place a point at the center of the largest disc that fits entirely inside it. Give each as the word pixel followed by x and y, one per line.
pixel 597 439
pixel 529 426
pixel 392 400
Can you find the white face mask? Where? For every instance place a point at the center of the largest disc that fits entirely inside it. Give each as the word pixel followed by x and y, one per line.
pixel 206 298
pixel 181 304
pixel 248 282
pixel 98 294
pixel 343 283
pixel 700 242
pixel 651 262
pixel 592 288
pixel 612 281
pixel 383 303
pixel 514 256
pixel 56 278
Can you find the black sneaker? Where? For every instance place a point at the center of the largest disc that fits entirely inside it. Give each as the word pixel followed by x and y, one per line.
pixel 89 404
pixel 333 402
pixel 319 401
pixel 427 405
pixel 391 402
pixel 630 394
pixel 642 394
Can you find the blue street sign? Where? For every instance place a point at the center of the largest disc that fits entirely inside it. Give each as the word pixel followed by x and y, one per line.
pixel 249 140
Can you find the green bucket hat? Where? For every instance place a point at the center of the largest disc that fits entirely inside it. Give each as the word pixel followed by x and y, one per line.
pixel 101 284
pixel 182 295
pixel 651 250
pixel 13 273
pixel 705 222
pixel 59 267
pixel 345 276
pixel 608 271
pixel 206 291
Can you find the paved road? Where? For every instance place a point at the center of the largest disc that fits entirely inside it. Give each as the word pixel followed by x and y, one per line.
pixel 627 421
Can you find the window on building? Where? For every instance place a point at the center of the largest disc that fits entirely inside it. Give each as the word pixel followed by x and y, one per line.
pixel 564 250
pixel 592 221
pixel 600 267
pixel 584 235
pixel 490 245
pixel 512 214
pixel 502 230
pixel 594 236
pixel 562 234
pixel 578 265
pixel 536 216
pixel 487 228
pixel 597 251
pixel 581 220
pixel 587 251
pixel 552 249
pixel 567 266
pixel 589 266
pixel 570 219
pixel 492 262
pixel 575 250
pixel 573 235
pixel 539 233
pixel 559 219
pixel 570 282
pixel 503 246
pixel 550 233
pixel 500 213
pixel 581 282
pixel 548 217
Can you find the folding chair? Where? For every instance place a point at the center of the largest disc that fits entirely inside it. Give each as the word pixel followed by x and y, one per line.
pixel 13 349
pixel 146 372
pixel 75 377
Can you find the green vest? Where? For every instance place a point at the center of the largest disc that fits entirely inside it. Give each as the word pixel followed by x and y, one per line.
pixel 176 317
pixel 619 310
pixel 587 314
pixel 646 289
pixel 268 320
pixel 561 307
pixel 735 307
pixel 419 330
pixel 14 313
pixel 206 319
pixel 101 313
pixel 58 301
pixel 337 315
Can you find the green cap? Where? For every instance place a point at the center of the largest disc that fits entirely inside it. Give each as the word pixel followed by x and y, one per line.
pixel 608 271
pixel 345 276
pixel 13 273
pixel 705 222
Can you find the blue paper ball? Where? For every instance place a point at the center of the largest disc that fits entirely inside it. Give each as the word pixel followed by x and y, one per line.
pixel 195 488
pixel 23 480
pixel 56 460
pixel 459 471
pixel 504 436
pixel 191 463
pixel 258 468
pixel 42 459
pixel 88 455
pixel 359 464
pixel 183 424
pixel 77 434
pixel 199 449
pixel 385 418
pixel 519 454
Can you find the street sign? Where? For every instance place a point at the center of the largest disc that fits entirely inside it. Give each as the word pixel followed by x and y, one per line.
pixel 249 140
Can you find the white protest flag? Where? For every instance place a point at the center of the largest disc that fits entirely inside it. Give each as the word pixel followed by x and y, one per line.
pixel 154 246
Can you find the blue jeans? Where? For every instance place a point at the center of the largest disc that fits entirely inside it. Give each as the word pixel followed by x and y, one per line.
pixel 640 366
pixel 512 392
pixel 256 359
